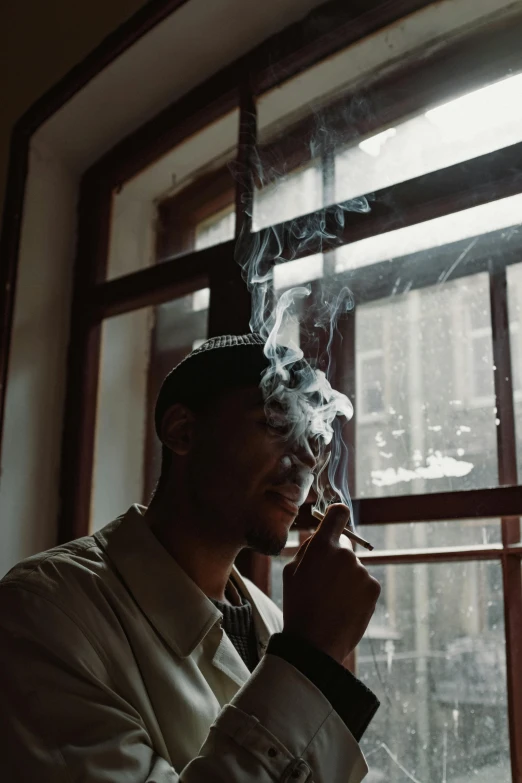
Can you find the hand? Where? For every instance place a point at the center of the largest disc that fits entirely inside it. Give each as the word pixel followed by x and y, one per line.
pixel 328 595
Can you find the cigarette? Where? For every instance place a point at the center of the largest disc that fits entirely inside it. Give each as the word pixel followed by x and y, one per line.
pixel 347 532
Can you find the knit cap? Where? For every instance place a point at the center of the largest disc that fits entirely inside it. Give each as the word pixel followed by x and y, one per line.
pixel 226 362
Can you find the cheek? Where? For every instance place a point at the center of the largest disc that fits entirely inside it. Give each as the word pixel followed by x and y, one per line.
pixel 250 456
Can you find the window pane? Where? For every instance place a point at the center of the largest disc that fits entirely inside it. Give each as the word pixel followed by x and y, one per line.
pixel 285 195
pixel 295 273
pixel 434 654
pixel 514 276
pixel 441 236
pixel 138 350
pixel 425 416
pixel 289 178
pixel 215 229
pixel 474 124
pixel 427 535
pixel 150 222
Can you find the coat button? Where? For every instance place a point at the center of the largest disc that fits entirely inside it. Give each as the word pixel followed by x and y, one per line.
pixel 272 752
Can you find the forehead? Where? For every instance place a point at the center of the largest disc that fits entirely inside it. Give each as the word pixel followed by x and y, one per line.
pixel 242 400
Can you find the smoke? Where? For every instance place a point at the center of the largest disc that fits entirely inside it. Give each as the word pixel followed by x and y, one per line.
pixel 299 397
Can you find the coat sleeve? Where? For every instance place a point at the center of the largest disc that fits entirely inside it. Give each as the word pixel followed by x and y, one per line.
pixel 62 719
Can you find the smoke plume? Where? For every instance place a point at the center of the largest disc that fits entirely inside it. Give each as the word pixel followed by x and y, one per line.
pixel 298 394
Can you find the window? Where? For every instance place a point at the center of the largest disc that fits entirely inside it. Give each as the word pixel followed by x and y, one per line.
pixel 371 381
pixel 443 715
pixel 410 198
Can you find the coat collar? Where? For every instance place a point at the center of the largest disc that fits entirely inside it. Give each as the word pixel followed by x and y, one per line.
pixel 181 613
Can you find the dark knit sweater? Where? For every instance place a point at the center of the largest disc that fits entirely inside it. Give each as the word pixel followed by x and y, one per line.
pixel 238 624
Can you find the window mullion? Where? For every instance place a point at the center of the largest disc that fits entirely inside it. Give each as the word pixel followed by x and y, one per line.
pixel 247 141
pixel 506 434
pixel 237 299
pixel 507 473
pixel 230 301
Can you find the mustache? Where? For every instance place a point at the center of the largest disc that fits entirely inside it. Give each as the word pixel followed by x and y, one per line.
pixel 292 471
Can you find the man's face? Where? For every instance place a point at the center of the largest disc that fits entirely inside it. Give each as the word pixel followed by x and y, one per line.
pixel 245 477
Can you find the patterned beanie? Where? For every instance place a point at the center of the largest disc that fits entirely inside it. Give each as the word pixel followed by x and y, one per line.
pixel 221 363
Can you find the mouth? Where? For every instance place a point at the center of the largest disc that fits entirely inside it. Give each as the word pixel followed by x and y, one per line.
pixel 287 505
pixel 288 496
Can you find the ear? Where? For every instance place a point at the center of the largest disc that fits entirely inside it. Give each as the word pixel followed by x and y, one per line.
pixel 177 429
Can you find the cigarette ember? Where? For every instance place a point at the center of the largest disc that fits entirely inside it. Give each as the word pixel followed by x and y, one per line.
pixel 347 532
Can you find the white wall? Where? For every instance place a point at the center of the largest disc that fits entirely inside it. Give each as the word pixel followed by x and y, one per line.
pixel 35 391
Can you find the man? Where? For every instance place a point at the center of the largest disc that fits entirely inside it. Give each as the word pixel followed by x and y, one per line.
pixel 140 655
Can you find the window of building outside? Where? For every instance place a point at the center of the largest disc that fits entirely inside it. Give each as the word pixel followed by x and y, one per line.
pixel 418 359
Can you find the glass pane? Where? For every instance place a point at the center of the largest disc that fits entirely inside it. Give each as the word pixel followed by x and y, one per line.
pixel 441 235
pixel 158 213
pixel 289 178
pixel 514 277
pixel 427 535
pixel 138 350
pixel 295 273
pixel 313 122
pixel 215 229
pixel 434 654
pixel 474 124
pixel 425 406
pixel 285 195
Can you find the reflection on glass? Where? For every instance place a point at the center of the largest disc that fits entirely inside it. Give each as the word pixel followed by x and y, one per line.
pixel 434 654
pixel 474 124
pixel 514 277
pixel 424 535
pixel 138 350
pixel 426 419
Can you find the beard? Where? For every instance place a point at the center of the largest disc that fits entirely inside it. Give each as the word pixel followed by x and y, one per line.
pixel 265 542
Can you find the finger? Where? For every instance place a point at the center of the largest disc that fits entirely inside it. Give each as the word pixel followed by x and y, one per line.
pixel 292 565
pixel 333 524
pixel 301 551
pixel 345 541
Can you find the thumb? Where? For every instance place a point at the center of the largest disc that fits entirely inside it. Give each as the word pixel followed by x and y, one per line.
pixel 335 520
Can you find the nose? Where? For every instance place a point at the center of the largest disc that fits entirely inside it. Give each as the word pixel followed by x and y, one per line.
pixel 304 454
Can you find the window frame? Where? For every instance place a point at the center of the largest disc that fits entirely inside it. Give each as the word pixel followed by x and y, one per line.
pixel 416 200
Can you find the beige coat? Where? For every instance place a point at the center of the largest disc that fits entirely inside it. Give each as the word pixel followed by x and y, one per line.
pixel 114 668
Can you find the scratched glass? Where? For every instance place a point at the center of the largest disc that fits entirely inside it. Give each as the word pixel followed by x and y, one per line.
pixel 425 405
pixel 434 654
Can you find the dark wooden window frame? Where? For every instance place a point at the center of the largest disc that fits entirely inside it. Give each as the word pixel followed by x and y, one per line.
pixel 483 179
